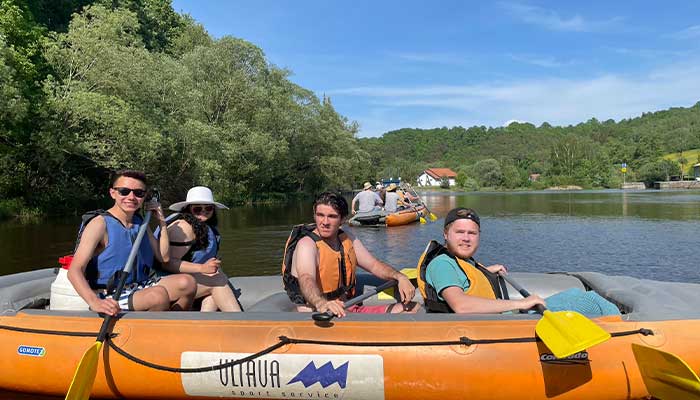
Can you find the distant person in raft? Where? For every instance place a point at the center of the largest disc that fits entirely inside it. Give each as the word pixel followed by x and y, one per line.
pixel 393 201
pixel 104 244
pixel 450 280
pixel 194 249
pixel 320 260
pixel 367 200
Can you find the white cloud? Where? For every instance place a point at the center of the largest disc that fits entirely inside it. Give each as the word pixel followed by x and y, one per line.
pixel 649 53
pixel 433 58
pixel 553 21
pixel 556 101
pixel 545 62
pixel 691 32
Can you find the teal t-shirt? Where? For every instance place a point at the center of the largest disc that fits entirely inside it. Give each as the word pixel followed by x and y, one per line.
pixel 443 272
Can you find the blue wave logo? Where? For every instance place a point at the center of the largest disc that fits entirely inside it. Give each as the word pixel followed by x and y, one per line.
pixel 31 351
pixel 326 375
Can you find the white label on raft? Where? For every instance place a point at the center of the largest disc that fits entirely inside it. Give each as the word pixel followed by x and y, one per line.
pixel 285 376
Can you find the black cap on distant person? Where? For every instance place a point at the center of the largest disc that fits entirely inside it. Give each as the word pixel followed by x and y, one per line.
pixel 462 213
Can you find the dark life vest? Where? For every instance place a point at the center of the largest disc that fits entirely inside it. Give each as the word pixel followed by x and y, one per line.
pixel 336 269
pixel 195 254
pixel 432 301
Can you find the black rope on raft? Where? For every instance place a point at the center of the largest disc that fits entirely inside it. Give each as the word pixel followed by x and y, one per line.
pixel 284 340
pixel 47 331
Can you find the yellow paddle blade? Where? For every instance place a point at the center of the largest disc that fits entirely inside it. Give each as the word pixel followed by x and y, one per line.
pixel 388 294
pixel 422 220
pixel 568 332
pixel 411 273
pixel 433 217
pixel 666 375
pixel 84 377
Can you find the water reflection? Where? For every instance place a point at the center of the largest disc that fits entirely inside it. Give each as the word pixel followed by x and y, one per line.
pixel 642 233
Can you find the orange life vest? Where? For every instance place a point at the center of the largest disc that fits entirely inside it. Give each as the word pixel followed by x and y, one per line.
pixel 482 283
pixel 336 269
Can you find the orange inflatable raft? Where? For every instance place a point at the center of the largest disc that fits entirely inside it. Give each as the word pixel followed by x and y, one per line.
pixel 272 352
pixel 404 217
pixel 381 218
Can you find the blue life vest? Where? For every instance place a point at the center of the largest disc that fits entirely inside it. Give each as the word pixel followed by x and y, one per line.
pixel 199 256
pixel 102 268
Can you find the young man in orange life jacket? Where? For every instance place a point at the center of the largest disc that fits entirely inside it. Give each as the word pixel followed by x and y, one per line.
pixel 320 261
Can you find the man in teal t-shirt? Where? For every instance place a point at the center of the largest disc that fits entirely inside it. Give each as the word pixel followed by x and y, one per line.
pixel 462 232
pixel 444 272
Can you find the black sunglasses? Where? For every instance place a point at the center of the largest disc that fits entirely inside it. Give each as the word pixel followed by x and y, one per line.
pixel 124 191
pixel 198 209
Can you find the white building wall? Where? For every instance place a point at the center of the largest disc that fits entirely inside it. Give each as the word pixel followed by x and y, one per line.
pixel 427 180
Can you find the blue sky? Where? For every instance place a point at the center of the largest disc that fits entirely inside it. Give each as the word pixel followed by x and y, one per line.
pixel 419 64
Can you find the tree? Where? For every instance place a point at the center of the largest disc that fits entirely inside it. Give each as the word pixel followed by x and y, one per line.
pixel 656 171
pixel 488 172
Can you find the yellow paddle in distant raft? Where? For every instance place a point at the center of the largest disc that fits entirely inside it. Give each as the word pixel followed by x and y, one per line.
pixel 432 216
pixel 564 332
pixel 84 376
pixel 666 375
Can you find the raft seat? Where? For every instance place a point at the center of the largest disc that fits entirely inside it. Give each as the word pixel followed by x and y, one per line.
pixel 266 295
pixel 26 290
pixel 276 302
pixel 543 284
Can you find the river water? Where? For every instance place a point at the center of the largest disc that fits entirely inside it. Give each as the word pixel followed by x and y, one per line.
pixel 647 234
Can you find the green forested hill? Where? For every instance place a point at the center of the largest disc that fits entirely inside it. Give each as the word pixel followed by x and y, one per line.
pixel 91 86
pixel 587 154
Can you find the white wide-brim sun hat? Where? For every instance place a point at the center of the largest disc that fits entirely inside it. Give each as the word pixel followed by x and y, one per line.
pixel 197 195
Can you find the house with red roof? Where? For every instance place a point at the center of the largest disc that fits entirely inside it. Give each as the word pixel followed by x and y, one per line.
pixel 434 176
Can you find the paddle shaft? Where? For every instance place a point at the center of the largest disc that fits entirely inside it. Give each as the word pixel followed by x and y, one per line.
pixel 125 272
pixel 325 316
pixel 420 199
pixel 540 308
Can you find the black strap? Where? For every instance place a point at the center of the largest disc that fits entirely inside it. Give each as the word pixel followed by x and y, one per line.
pixel 504 288
pixel 182 244
pixel 433 303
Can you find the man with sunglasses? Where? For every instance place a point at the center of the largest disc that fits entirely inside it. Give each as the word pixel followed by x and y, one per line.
pixel 104 246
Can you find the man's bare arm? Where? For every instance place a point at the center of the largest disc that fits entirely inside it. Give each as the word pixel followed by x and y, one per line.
pixel 305 266
pixel 382 270
pixel 463 303
pixel 91 237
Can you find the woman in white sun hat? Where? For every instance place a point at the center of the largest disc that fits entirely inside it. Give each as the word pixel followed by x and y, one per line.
pixel 194 246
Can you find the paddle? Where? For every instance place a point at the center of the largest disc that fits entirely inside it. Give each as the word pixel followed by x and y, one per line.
pixel 388 294
pixel 327 316
pixel 84 376
pixel 432 216
pixel 666 375
pixel 564 332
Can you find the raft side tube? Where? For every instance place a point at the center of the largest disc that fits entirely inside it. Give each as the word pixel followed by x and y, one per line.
pixel 26 289
pixel 645 299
